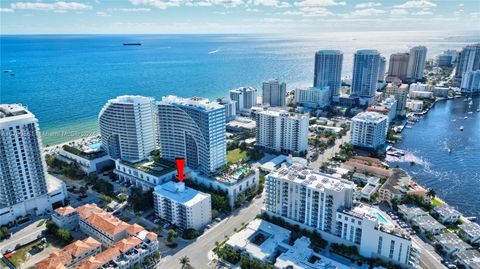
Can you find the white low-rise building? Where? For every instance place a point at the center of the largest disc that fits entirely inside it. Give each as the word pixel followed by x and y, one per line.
pixel 232 184
pixel 370 188
pixel 144 174
pixel 415 105
pixel 451 243
pixel 446 214
pixel 428 224
pixel 369 129
pixel 470 259
pixel 420 95
pixel 182 206
pixel 88 162
pixel 411 211
pixel 471 232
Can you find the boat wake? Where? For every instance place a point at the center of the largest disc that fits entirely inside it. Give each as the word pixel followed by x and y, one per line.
pixel 214 51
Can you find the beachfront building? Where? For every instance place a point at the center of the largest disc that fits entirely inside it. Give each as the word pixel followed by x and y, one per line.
pixel 194 129
pixel 366 64
pixel 415 105
pixel 427 224
pixel 328 71
pixel 408 212
pixel 399 91
pixel 274 93
pixel 471 82
pixel 25 186
pixel 182 206
pixel 89 161
pixel 230 108
pixel 144 174
pixel 398 66
pixel 127 127
pixel 313 97
pixel 310 198
pixel 447 58
pixel 376 236
pixel 282 131
pixel 71 255
pixel 369 129
pixel 469 60
pixel 416 62
pixel 451 243
pixel 246 98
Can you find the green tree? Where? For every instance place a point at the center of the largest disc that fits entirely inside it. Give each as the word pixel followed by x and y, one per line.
pixel 172 234
pixel 185 262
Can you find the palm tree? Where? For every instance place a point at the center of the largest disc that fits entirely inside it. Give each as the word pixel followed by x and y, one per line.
pixel 431 193
pixel 185 262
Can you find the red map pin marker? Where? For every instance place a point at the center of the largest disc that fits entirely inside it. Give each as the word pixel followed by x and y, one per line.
pixel 180 162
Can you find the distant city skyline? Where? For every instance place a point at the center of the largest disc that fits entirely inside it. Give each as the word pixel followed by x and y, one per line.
pixel 234 16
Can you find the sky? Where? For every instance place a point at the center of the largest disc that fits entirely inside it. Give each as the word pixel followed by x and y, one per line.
pixel 235 16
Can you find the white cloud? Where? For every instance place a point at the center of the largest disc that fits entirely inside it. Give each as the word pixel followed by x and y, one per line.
pixel 316 12
pixel 102 14
pixel 423 12
pixel 267 3
pixel 365 12
pixel 56 6
pixel 319 3
pixel 141 9
pixel 460 5
pixel 398 12
pixel 368 4
pixel 252 10
pixel 284 5
pixel 6 10
pixel 416 4
pixel 276 20
pixel 156 3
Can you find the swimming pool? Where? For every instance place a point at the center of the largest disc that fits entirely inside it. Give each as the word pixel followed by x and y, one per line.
pixel 381 218
pixel 240 171
pixel 95 146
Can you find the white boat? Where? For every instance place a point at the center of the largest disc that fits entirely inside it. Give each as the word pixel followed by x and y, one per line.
pixel 465 118
pixel 469 112
pixel 461 128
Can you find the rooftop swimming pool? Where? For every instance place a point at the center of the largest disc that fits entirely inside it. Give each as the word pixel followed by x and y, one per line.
pixel 240 171
pixel 381 218
pixel 95 146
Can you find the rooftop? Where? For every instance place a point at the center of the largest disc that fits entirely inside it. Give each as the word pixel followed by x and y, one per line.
pixel 471 228
pixel 396 180
pixel 427 222
pixel 63 257
pixel 301 256
pixel 330 52
pixel 370 117
pixel 271 234
pixel 178 192
pixel 308 177
pixel 151 167
pixel 446 211
pixel 13 110
pixel 63 211
pixel 411 210
pixel 202 103
pixel 132 99
pixel 470 257
pixel 451 241
pixel 367 52
pixel 278 112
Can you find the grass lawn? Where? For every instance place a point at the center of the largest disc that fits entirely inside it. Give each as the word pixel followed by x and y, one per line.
pixel 436 202
pixel 20 256
pixel 236 155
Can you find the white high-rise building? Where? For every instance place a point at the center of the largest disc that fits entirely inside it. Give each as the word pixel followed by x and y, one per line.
pixel 416 62
pixel 194 129
pixel 400 92
pixel 274 93
pixel 313 97
pixel 469 60
pixel 230 108
pixel 366 64
pixel 471 82
pixel 246 97
pixel 127 127
pixel 369 129
pixel 25 187
pixel 328 71
pixel 182 206
pixel 311 198
pixel 282 131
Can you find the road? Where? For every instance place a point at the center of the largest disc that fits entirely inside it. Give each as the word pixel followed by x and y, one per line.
pixel 429 259
pixel 330 152
pixel 197 251
pixel 22 236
